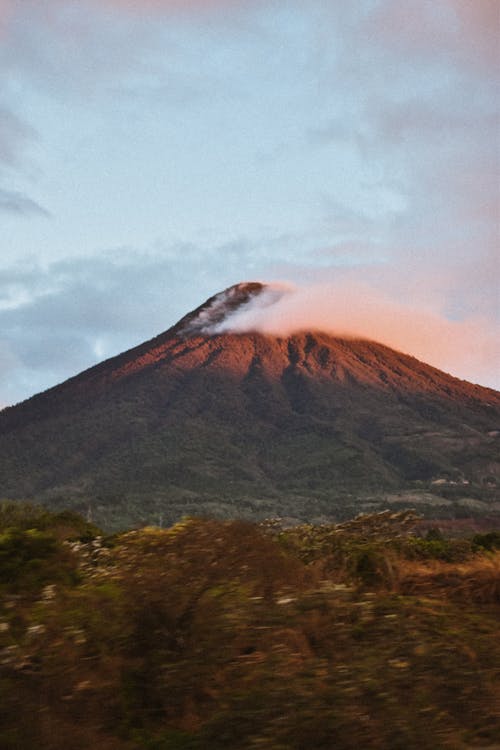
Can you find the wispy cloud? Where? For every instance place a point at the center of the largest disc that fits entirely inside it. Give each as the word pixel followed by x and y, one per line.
pixel 464 31
pixel 13 201
pixel 184 6
pixel 60 318
pixel 15 136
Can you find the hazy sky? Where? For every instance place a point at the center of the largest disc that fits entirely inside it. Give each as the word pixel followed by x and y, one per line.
pixel 153 153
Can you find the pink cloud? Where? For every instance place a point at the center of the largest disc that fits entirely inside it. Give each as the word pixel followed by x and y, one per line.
pixel 467 348
pixel 51 11
pixel 181 7
pixel 466 29
pixel 479 24
pixel 6 10
pixel 175 4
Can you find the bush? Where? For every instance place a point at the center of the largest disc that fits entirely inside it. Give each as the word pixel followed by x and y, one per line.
pixel 65 524
pixel 30 559
pixel 489 541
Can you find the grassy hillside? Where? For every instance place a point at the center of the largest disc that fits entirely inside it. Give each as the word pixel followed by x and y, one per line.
pixel 212 635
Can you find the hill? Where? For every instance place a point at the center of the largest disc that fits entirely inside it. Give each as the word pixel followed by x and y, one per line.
pixel 308 427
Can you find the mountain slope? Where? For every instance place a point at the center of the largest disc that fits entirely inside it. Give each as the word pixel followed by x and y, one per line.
pixel 306 426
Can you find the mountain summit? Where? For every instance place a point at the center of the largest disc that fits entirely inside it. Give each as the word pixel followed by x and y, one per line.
pixel 202 421
pixel 218 309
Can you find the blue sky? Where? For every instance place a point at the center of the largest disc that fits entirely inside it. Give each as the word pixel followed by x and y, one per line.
pixel 153 153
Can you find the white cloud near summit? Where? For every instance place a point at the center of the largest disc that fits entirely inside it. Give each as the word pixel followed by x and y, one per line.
pixel 467 348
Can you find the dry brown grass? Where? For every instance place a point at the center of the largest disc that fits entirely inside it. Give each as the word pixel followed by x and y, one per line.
pixel 476 580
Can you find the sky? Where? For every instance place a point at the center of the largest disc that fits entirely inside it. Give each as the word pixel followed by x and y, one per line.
pixel 153 153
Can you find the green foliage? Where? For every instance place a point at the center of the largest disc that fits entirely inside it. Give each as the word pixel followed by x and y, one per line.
pixel 65 524
pixel 31 558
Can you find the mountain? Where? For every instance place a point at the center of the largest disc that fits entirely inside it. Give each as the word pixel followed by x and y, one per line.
pixel 205 422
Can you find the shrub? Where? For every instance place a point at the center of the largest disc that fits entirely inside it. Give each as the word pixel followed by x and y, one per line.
pixel 29 559
pixel 65 524
pixel 489 541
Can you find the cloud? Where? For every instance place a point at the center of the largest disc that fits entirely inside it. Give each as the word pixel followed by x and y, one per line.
pixel 13 201
pixel 176 6
pixel 467 348
pixel 60 318
pixel 15 136
pixel 89 52
pixel 419 115
pixel 459 29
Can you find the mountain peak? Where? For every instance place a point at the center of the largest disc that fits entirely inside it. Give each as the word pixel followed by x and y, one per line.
pixel 213 313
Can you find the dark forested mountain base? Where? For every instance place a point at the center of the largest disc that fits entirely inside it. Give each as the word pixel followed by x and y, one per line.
pixel 306 427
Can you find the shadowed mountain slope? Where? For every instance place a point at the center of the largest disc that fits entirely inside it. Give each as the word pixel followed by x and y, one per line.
pixel 308 426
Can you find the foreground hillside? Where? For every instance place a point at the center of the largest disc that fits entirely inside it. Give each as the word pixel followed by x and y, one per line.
pixel 310 427
pixel 213 635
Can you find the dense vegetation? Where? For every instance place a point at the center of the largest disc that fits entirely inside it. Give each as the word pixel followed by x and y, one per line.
pixel 226 634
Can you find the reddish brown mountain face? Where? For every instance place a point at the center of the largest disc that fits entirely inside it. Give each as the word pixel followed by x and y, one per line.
pixel 307 426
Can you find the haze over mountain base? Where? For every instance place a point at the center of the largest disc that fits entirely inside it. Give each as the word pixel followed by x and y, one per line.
pixel 307 426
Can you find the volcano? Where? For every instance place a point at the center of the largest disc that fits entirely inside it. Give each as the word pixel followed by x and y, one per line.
pixel 202 421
